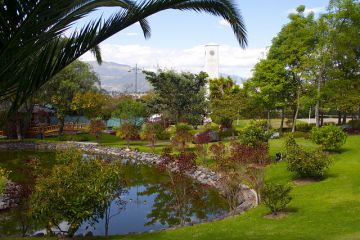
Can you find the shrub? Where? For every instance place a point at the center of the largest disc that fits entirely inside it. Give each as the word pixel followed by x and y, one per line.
pixel 355 124
pixel 305 163
pixel 228 132
pixel 185 161
pixel 96 126
pixel 128 132
pixel 304 127
pixel 201 144
pixel 245 154
pixel 76 191
pixel 151 132
pixel 256 133
pixel 276 196
pixel 220 156
pixel 297 134
pixel 329 137
pixel 182 135
pixel 3 179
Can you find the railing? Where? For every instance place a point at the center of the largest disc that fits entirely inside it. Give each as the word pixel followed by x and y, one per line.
pixel 53 129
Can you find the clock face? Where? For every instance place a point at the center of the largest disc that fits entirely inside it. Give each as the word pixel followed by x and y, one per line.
pixel 212 52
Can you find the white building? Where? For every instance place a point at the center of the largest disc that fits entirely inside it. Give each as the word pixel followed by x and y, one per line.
pixel 212 60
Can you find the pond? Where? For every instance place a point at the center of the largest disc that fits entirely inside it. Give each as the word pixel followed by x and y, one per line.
pixel 151 200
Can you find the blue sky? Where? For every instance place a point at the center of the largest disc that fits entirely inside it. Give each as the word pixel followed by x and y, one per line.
pixel 178 37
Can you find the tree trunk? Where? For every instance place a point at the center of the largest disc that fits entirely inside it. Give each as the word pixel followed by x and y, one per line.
pixel 62 123
pixel 322 119
pixel 268 120
pixel 317 106
pixel 339 118
pixel 18 129
pixel 282 121
pixel 344 118
pixel 295 117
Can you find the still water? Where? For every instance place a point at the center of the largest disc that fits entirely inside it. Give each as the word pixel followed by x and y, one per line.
pixel 152 200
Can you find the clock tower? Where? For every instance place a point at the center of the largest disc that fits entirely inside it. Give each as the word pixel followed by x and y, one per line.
pixel 212 60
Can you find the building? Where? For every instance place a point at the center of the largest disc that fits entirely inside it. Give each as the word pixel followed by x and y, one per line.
pixel 212 60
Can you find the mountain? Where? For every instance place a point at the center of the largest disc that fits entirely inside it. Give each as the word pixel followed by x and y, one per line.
pixel 119 77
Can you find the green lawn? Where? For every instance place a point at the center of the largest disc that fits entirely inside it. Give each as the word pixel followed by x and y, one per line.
pixel 329 209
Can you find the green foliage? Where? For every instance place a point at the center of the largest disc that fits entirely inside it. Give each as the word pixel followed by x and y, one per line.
pixel 67 86
pixel 226 101
pixel 128 132
pixel 75 191
pixel 329 137
pixel 130 109
pixel 3 179
pixel 276 196
pixel 297 134
pixel 355 124
pixel 75 138
pixel 304 127
pixel 178 96
pixel 152 132
pixel 257 132
pixel 304 163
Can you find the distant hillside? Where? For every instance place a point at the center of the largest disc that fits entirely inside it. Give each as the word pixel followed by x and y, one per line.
pixel 117 77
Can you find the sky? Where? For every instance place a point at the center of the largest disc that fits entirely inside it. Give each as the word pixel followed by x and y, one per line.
pixel 178 37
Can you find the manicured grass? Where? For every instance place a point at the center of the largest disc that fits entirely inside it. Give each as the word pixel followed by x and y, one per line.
pixel 329 209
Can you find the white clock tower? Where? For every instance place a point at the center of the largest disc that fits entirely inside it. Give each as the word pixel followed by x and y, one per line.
pixel 212 60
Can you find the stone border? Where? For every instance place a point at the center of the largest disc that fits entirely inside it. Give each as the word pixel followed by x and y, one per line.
pixel 200 174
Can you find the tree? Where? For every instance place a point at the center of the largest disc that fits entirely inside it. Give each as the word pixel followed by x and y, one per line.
pixel 96 127
pixel 293 43
pixel 182 135
pixel 90 104
pixel 151 132
pixel 61 91
pixel 128 132
pixel 179 96
pixel 269 87
pixel 226 101
pixel 33 49
pixel 130 110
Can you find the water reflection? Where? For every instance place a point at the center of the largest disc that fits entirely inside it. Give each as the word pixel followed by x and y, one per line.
pixel 150 199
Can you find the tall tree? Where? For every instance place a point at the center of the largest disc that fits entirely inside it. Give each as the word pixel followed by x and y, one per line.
pixel 33 50
pixel 295 41
pixel 179 96
pixel 61 90
pixel 226 101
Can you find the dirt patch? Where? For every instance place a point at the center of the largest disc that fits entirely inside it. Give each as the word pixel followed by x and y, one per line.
pixel 279 215
pixel 304 181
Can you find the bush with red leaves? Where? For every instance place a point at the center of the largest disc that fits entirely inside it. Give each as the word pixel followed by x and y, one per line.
pixel 245 154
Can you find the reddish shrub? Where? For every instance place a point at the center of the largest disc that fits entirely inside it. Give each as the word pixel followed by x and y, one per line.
pixel 246 154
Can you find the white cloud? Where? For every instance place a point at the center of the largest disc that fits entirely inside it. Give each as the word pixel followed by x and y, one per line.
pixel 132 34
pixel 315 10
pixel 233 60
pixel 224 23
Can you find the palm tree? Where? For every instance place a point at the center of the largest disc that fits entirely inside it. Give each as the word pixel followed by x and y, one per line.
pixel 33 47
